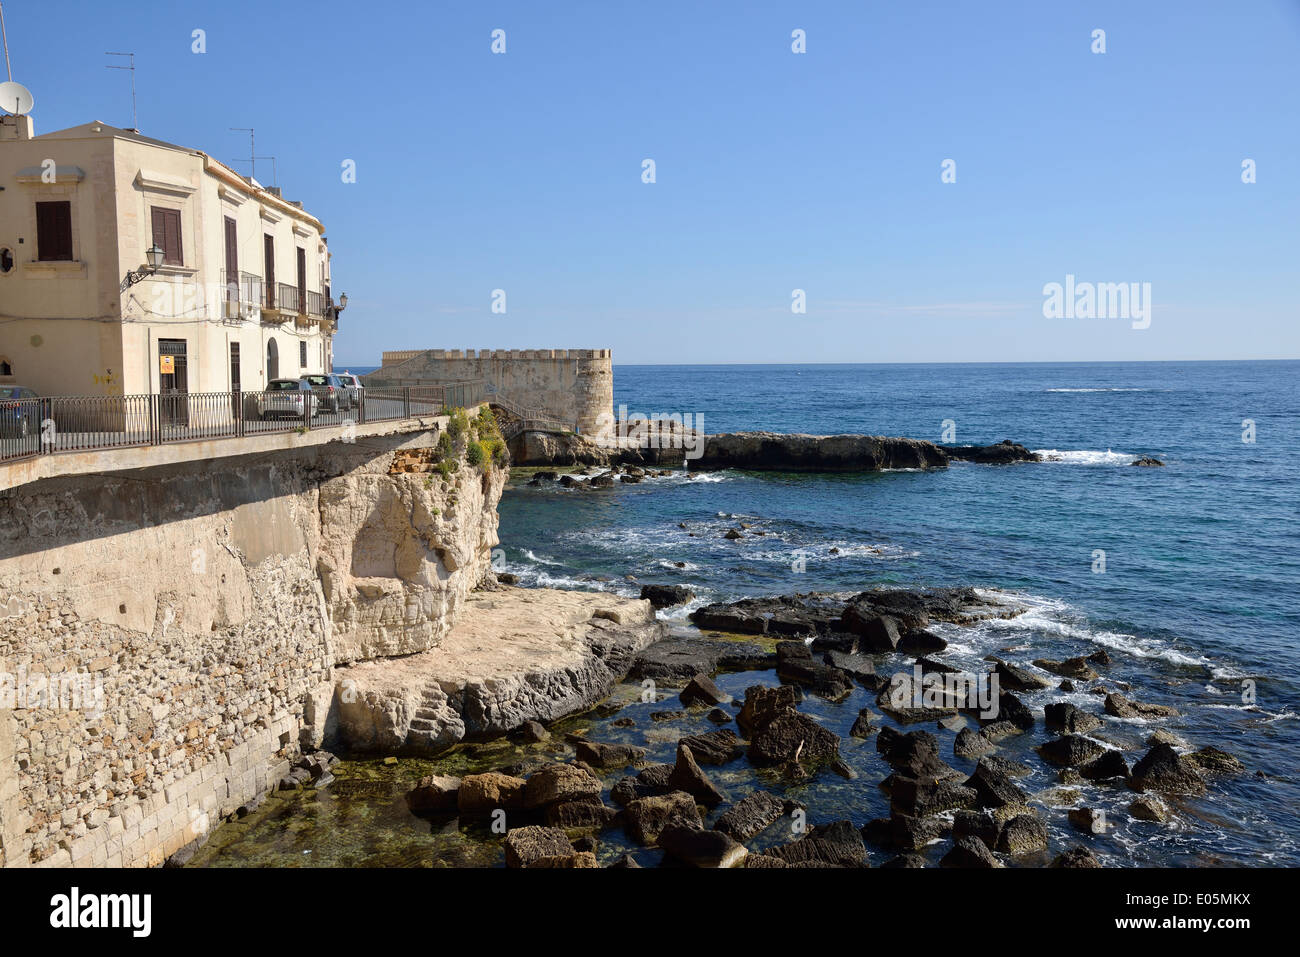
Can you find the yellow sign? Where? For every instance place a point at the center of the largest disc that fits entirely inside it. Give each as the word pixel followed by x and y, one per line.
pixel 167 364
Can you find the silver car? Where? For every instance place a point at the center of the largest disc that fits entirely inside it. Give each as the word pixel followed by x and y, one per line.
pixel 286 398
pixel 353 387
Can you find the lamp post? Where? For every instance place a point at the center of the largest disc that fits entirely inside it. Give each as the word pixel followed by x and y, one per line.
pixel 339 307
pixel 153 259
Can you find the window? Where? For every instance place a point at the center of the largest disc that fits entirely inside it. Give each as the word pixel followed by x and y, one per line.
pixel 54 232
pixel 167 234
pixel 302 355
pixel 6 369
pixel 272 360
pixel 6 259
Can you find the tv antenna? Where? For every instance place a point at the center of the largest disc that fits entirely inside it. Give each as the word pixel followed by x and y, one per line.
pixel 275 180
pixel 252 147
pixel 135 119
pixel 5 34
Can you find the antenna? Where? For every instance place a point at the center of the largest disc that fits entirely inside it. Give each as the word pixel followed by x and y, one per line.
pixel 5 34
pixel 252 147
pixel 275 180
pixel 135 119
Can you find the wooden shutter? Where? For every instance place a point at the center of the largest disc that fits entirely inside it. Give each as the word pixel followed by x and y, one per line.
pixel 54 231
pixel 232 251
pixel 167 234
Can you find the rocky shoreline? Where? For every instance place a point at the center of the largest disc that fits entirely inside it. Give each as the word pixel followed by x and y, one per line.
pixel 743 794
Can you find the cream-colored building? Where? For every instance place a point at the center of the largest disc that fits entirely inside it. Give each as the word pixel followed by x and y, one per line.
pixel 242 295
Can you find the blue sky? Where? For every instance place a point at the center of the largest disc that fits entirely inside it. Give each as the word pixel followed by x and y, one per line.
pixel 775 171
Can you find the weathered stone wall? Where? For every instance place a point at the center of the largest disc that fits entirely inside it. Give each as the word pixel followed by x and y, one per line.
pixel 209 605
pixel 575 386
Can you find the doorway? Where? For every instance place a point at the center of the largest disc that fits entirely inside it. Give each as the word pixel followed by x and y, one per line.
pixel 235 386
pixel 272 361
pixel 173 383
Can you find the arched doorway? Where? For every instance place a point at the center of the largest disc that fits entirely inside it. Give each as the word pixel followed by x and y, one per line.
pixel 272 361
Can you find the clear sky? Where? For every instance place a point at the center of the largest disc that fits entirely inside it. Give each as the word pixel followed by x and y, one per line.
pixel 775 171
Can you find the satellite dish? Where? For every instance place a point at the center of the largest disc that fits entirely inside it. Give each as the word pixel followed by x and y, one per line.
pixel 15 98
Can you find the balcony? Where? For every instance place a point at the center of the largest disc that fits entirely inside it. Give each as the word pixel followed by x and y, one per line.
pixel 240 297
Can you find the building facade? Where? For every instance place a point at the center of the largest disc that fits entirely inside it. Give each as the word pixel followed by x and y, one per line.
pixel 242 294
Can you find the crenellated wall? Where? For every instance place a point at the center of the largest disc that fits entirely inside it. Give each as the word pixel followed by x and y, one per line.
pixel 196 613
pixel 574 386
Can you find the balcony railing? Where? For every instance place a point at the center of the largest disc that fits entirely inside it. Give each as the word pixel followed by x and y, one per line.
pixel 81 423
pixel 240 292
pixel 288 298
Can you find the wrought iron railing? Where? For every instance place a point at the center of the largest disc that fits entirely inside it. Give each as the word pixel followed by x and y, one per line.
pixel 75 423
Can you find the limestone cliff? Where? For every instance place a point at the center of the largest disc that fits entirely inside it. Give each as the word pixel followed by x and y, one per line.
pixel 191 617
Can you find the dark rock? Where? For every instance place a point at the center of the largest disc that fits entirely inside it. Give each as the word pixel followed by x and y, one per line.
pixel 682 658
pixel 1121 707
pixel 903 832
pixel 971 744
pixel 1000 730
pixel 1005 452
pixel 789 734
pixel 667 715
pixel 770 451
pixel 732 534
pixel 1149 808
pixel 1110 764
pixel 860 667
pixel 1069 668
pixel 1162 769
pixel 921 798
pixel 1018 679
pixel 993 788
pixel 1012 769
pixel 1075 857
pixel 581 814
pixel 1025 834
pixel 969 852
pixel 536 846
pixel 714 747
pixel 1071 750
pixel 751 816
pixel 921 642
pixel 875 633
pixel 832 845
pixel 608 755
pixel 666 596
pixel 701 690
pixel 718 716
pixel 699 848
pixel 763 704
pixel 905 860
pixel 533 732
pixel 1010 708
pixel 626 861
pixel 1214 761
pixel 1147 461
pixel 1089 820
pixel 863 726
pixel 688 777
pixel 1064 716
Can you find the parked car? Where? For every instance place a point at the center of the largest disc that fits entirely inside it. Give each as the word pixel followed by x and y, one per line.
pixel 354 388
pixel 20 411
pixel 287 399
pixel 329 390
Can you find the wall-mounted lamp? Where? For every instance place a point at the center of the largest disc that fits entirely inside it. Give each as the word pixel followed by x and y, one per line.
pixel 154 258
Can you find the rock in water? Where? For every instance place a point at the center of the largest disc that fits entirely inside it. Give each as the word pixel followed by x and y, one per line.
pixel 700 848
pixel 714 747
pixel 992 788
pixel 666 596
pixel 1089 820
pixel 751 816
pixel 608 755
pixel 1075 857
pixel 1071 750
pixel 1162 769
pixel 559 782
pixel 832 845
pixel 1214 761
pixel 701 690
pixel 536 846
pixel 1121 707
pixel 688 777
pixel 1149 808
pixel 434 793
pixel 484 793
pixel 1063 716
pixel 969 852
pixel 645 818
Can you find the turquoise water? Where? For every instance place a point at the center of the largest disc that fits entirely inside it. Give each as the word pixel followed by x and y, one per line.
pixel 1197 601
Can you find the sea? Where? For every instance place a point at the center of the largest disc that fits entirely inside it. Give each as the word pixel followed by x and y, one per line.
pixel 1186 575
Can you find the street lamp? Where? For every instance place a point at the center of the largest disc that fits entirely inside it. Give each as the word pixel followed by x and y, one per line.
pixel 153 259
pixel 340 306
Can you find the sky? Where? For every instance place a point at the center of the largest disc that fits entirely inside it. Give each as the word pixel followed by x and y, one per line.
pixel 774 171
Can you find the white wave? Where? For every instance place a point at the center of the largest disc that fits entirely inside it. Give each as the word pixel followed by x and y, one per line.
pixel 1099 389
pixel 540 560
pixel 1086 457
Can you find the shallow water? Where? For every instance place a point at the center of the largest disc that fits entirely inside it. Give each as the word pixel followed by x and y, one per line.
pixel 1196 604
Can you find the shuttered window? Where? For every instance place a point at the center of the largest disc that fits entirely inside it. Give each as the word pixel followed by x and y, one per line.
pixel 54 231
pixel 302 355
pixel 167 234
pixel 232 249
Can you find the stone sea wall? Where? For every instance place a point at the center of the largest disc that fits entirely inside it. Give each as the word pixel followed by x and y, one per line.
pixel 168 637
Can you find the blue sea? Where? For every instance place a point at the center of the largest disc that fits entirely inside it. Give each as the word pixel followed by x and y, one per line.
pixel 1196 601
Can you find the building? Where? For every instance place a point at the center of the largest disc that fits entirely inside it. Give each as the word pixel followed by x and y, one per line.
pixel 241 294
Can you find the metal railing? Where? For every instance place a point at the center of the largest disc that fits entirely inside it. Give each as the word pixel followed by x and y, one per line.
pixel 78 423
pixel 288 298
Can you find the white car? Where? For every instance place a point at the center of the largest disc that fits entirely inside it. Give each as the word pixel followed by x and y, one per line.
pixel 354 388
pixel 285 398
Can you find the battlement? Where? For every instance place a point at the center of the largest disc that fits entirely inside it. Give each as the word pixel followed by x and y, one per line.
pixel 572 386
pixel 399 356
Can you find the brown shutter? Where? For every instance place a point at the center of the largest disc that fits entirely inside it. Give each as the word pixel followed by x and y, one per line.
pixel 268 256
pixel 54 231
pixel 167 234
pixel 232 251
pixel 302 279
